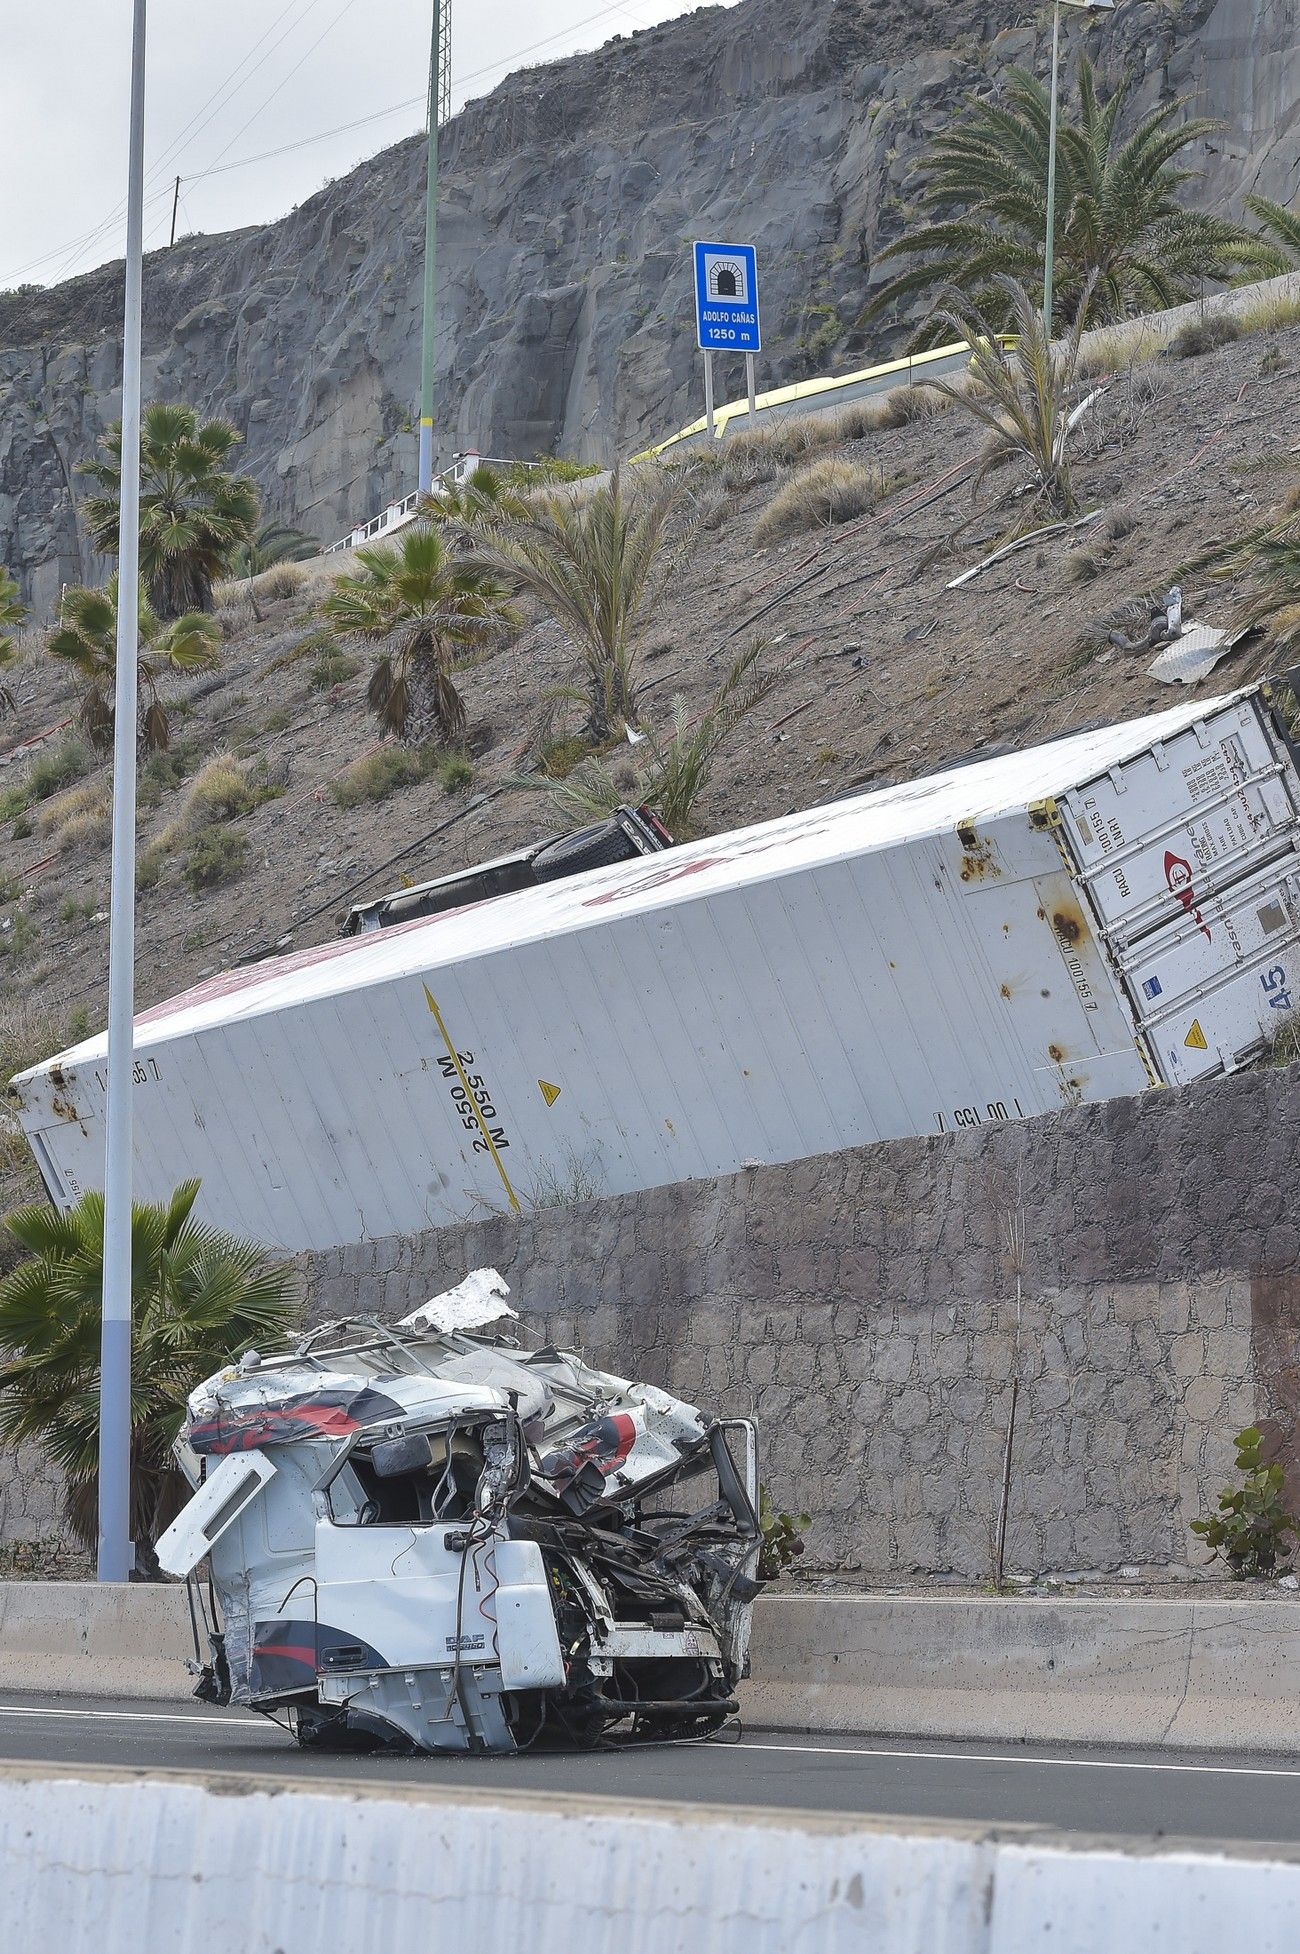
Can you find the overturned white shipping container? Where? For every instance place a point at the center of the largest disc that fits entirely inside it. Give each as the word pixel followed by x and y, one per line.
pixel 1109 911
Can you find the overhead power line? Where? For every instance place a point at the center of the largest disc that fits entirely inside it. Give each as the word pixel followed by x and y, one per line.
pixel 413 101
pixel 305 142
pixel 346 8
pixel 213 105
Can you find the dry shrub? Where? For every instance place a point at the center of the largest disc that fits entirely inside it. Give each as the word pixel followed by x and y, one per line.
pixel 316 577
pixel 88 831
pixel 828 491
pixel 218 792
pixel 903 406
pixel 856 418
pixel 784 444
pixel 744 465
pixel 281 580
pixel 215 855
pixel 77 806
pixel 1266 314
pixel 149 865
pixel 1117 349
pixel 377 775
pixel 712 507
pixel 1205 335
pixel 232 607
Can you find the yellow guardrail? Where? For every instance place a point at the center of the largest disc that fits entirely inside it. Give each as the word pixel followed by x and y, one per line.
pixel 829 390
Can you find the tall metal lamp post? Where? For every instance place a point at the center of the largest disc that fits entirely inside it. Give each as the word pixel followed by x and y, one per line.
pixel 439 110
pixel 1090 7
pixel 115 1553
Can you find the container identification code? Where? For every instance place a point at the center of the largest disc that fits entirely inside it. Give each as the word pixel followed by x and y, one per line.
pixel 994 1110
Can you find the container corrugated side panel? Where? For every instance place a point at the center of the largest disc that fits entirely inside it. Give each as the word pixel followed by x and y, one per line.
pixel 840 1003
pixel 819 1010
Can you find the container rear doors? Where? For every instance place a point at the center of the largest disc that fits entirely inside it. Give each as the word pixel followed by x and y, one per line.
pixel 1188 856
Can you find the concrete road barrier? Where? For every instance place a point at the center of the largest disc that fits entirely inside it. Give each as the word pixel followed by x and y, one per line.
pixel 102 1862
pixel 1210 1673
pixel 99 1641
pixel 1213 1673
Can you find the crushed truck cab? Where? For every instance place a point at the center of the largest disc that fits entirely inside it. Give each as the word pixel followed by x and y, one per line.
pixel 422 1535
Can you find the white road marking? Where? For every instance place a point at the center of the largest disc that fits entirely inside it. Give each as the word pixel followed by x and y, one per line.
pixel 135 1716
pixel 747 1748
pixel 1004 1757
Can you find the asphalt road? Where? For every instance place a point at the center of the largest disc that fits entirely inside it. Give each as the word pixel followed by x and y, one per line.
pixel 1132 1793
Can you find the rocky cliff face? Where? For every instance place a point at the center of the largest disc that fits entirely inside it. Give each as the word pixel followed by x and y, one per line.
pixel 570 197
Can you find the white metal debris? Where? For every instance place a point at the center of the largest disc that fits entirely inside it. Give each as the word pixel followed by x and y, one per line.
pixel 478 1300
pixel 1194 654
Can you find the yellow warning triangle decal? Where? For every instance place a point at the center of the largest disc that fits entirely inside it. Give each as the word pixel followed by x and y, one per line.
pixel 549 1092
pixel 1196 1037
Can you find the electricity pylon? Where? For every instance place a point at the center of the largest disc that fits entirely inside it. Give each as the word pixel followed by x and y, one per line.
pixel 439 111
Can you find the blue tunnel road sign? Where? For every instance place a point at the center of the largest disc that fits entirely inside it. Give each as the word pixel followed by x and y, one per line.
pixel 726 298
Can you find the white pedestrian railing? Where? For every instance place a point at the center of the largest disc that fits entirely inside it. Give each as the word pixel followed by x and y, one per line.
pixel 398 514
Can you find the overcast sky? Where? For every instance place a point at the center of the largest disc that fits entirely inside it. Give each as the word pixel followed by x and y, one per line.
pixel 228 83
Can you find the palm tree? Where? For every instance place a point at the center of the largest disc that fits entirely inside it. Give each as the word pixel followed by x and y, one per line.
pixel 1118 218
pixel 12 613
pixel 426 606
pixel 597 561
pixel 1018 392
pixel 194 514
pixel 676 770
pixel 198 1296
pixel 275 542
pixel 87 638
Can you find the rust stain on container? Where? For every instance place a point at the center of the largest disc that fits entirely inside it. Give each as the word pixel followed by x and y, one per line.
pixel 1056 1053
pixel 1004 990
pixel 1068 924
pixel 64 1109
pixel 978 862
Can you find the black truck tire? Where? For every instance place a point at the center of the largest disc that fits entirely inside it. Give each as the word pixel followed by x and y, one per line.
pixel 598 846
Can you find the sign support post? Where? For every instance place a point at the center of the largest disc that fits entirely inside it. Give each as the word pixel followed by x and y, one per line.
pixel 726 314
